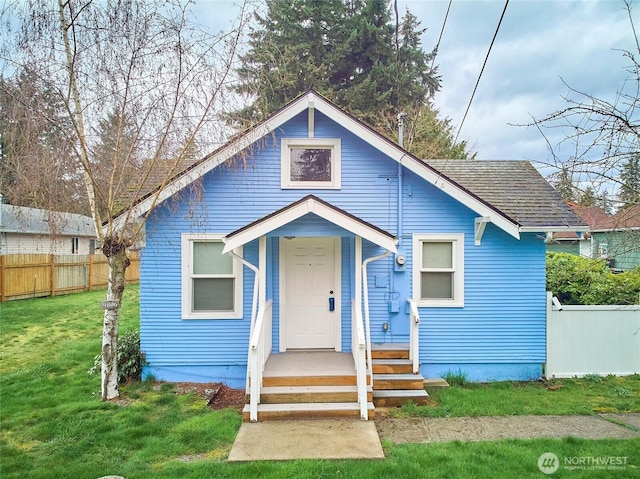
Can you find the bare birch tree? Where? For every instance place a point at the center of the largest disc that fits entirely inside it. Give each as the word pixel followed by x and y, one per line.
pixel 150 71
pixel 601 135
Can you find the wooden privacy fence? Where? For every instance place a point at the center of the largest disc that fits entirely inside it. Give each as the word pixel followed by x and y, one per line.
pixel 35 275
pixel 585 340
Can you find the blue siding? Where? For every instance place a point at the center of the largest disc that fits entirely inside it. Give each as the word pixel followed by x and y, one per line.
pixel 500 332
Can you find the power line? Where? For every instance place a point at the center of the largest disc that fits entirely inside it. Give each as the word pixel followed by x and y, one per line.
pixel 481 71
pixel 446 15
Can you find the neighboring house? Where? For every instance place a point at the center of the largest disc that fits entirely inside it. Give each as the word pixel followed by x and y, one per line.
pixel 35 231
pixel 613 238
pixel 352 240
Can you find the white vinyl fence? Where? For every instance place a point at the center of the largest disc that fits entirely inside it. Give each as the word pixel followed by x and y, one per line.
pixel 592 340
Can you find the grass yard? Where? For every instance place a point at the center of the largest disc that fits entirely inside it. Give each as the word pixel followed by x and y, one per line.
pixel 590 395
pixel 53 424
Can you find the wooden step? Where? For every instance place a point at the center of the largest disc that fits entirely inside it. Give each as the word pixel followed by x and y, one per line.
pixel 398 381
pixel 326 380
pixel 309 394
pixel 398 397
pixel 392 366
pixel 390 351
pixel 273 412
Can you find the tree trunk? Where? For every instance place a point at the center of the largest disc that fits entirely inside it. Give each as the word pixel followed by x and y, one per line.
pixel 118 263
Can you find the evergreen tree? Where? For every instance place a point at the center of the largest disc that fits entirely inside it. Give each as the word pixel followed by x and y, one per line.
pixel 428 136
pixel 348 51
pixel 115 154
pixel 292 49
pixel 564 185
pixel 588 197
pixel 604 202
pixel 630 182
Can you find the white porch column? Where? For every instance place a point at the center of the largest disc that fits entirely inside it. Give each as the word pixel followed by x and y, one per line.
pixel 262 268
pixel 358 275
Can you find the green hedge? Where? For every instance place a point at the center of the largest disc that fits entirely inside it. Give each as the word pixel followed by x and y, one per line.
pixel 578 280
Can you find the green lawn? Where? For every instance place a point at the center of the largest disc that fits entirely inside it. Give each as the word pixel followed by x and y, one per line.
pixel 591 395
pixel 53 424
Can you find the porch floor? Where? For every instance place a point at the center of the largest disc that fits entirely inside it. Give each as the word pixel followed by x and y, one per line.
pixel 309 363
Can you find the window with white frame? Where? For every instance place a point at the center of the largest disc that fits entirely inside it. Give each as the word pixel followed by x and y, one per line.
pixel 438 270
pixel 211 281
pixel 310 163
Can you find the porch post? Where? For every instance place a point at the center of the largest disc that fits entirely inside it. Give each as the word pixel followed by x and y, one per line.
pixel 262 271
pixel 358 273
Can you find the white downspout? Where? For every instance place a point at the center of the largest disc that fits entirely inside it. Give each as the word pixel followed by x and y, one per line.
pixel 365 300
pixel 254 303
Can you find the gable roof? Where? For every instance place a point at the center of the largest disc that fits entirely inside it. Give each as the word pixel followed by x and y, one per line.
pixel 627 218
pixel 594 216
pixel 513 220
pixel 25 220
pixel 516 189
pixel 302 207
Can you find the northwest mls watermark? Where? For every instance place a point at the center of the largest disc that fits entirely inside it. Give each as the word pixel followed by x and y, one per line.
pixel 549 463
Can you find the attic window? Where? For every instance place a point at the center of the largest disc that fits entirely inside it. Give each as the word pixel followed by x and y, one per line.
pixel 312 163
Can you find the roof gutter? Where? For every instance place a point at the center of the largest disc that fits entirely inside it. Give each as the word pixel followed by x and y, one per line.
pixel 553 229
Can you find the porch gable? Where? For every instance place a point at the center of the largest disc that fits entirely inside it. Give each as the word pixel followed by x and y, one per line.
pixel 302 207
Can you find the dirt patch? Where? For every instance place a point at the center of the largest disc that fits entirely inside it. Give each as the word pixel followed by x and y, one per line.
pixel 217 395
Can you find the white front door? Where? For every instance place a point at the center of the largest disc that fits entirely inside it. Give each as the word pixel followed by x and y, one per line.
pixel 310 276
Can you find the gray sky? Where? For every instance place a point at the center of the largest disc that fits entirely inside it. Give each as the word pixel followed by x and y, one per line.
pixel 540 43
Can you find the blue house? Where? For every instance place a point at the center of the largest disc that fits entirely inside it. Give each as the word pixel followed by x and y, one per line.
pixel 314 256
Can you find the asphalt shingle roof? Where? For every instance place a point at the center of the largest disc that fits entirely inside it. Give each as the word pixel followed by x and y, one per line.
pixel 21 219
pixel 515 188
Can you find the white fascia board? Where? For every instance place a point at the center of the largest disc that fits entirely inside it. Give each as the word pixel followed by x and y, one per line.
pixel 553 229
pixel 620 229
pixel 423 171
pixel 214 161
pixel 297 211
pixel 264 227
pixel 355 227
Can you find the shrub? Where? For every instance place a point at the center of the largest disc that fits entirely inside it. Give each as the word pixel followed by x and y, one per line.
pixel 131 359
pixel 578 280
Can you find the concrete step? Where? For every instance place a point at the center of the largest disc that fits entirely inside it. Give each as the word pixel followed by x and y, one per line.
pixel 273 412
pixel 398 381
pixel 435 383
pixel 392 366
pixel 398 397
pixel 390 351
pixel 309 394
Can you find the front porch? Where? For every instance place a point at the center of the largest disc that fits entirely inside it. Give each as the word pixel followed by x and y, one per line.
pixel 323 384
pixel 300 371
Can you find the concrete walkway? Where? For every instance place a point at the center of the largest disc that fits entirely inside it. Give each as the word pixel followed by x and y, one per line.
pixel 311 439
pixel 424 430
pixel 353 439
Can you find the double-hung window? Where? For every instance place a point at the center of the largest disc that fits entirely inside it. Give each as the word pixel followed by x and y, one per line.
pixel 438 270
pixel 310 163
pixel 211 281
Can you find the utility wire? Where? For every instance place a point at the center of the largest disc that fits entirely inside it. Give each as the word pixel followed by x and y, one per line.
pixel 446 15
pixel 481 71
